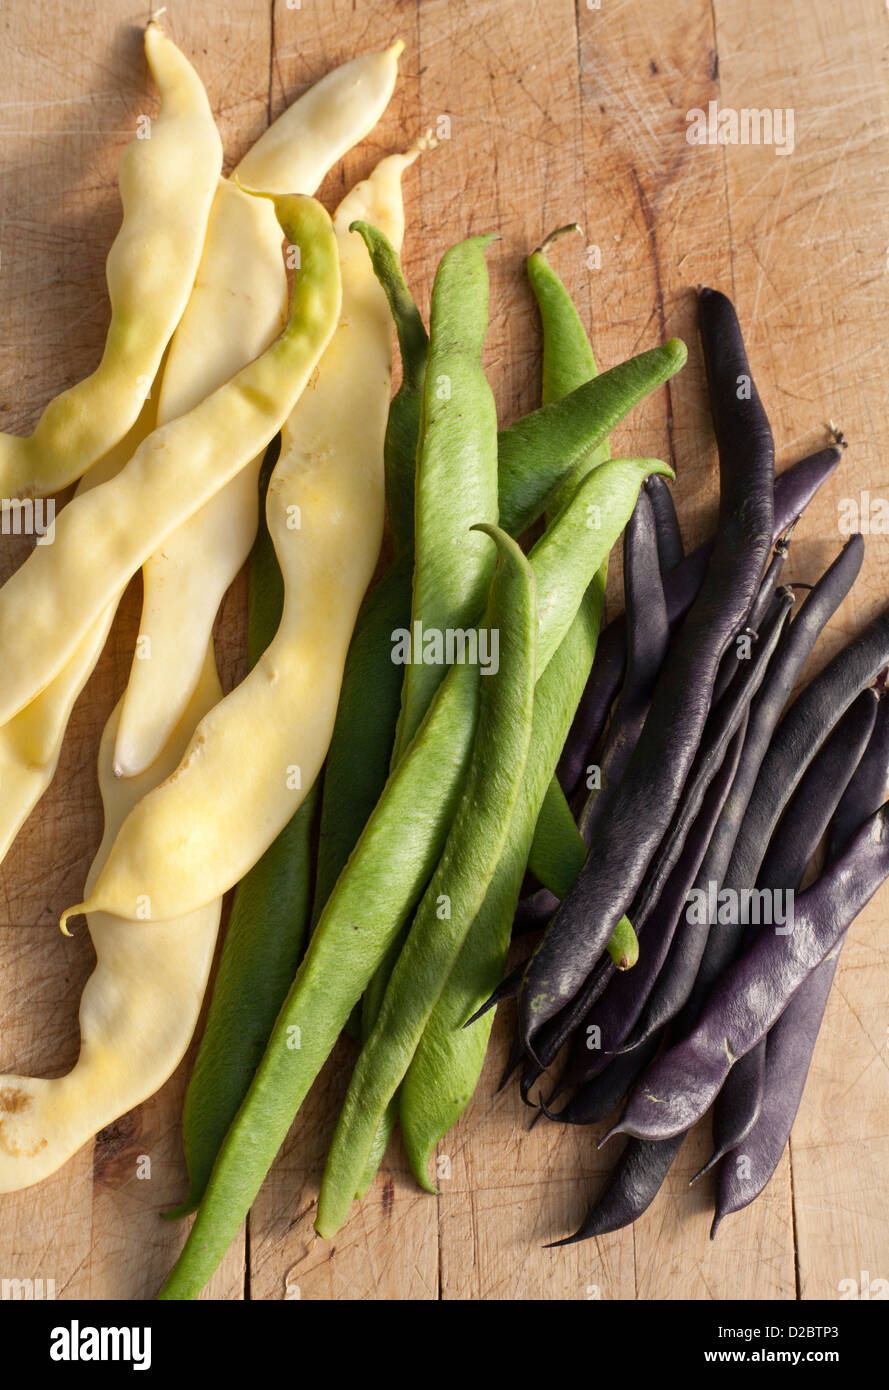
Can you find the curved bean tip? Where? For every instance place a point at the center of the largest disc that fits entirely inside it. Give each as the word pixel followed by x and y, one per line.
pixel 547 242
pixel 614 1130
pixel 503 542
pixel 70 912
pixel 556 1115
pixel 512 1061
pixel 711 1163
pixel 717 1222
pixel 837 435
pixel 185 1208
pixel 396 49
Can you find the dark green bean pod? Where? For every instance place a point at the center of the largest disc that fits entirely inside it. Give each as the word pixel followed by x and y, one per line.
pixel 403 424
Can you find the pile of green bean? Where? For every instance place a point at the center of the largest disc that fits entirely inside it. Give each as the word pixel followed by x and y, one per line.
pixel 439 787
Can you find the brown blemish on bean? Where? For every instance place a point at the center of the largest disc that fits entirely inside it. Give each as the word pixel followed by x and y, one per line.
pixel 14 1099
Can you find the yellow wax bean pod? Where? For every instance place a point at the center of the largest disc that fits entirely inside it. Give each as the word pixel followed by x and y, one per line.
pixel 103 536
pixel 253 758
pixel 31 742
pixel 313 133
pixel 139 1007
pixel 236 307
pixel 168 177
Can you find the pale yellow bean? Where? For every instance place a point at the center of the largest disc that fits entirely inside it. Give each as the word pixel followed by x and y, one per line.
pixel 31 742
pixel 139 1007
pixel 167 184
pixel 236 307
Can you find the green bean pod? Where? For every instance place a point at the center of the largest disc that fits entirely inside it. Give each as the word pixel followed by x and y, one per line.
pixel 568 362
pixel 455 487
pixel 558 852
pixel 447 1064
pixel 266 930
pixel 542 450
pixel 362 740
pixel 386 874
pixel 491 789
pixel 456 476
pixel 403 425
pixel 364 729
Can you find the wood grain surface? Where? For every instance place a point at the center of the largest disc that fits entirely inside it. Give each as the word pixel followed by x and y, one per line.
pixel 557 111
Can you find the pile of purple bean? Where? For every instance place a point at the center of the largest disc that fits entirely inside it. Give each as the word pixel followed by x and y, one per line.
pixel 710 786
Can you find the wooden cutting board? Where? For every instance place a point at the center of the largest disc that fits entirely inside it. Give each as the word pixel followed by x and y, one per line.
pixel 555 112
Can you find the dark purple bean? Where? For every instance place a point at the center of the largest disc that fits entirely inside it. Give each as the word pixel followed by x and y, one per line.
pixel 738 1105
pixel 755 990
pixel 760 612
pixel 719 731
pixel 508 988
pixel 632 1187
pixel 817 796
pixel 697 953
pixel 649 636
pixel 742 1175
pixel 791 1042
pixel 649 791
pixel 670 550
pixel 794 490
pixel 867 789
pixel 762 604
pixel 627 994
pixel 533 913
pixel 796 740
pixel 602 1094
pixel 783 868
pixel 593 708
pixel 558 1029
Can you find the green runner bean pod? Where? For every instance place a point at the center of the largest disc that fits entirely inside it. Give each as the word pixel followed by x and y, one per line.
pixel 491 789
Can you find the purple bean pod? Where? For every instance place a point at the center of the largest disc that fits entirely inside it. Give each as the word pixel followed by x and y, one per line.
pixel 670 550
pixel 649 636
pixel 794 490
pixel 695 955
pixel 719 731
pixel 602 1094
pixel 791 1042
pixel 755 990
pixel 627 994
